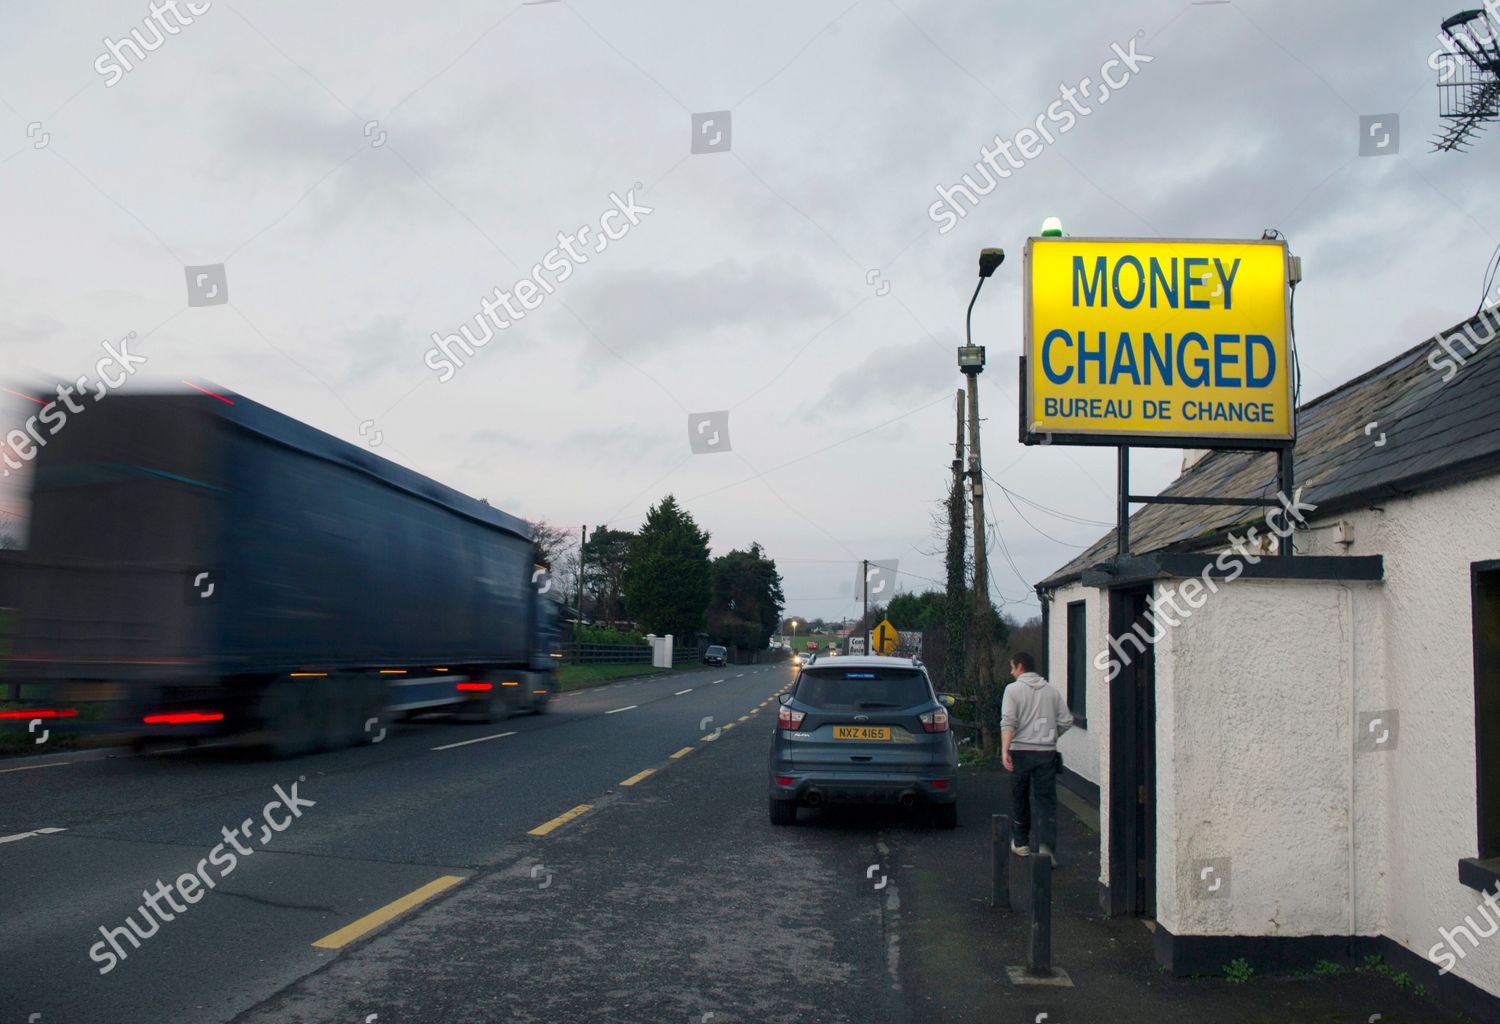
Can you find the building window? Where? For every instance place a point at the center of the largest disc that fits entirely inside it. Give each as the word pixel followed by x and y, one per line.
pixel 1486 586
pixel 1483 871
pixel 1078 678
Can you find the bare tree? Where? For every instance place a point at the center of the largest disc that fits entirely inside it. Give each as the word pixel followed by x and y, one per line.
pixel 549 541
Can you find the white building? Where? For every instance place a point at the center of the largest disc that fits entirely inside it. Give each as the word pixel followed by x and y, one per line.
pixel 1301 760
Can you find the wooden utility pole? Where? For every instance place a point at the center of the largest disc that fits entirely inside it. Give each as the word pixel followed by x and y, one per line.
pixel 981 629
pixel 954 607
pixel 958 439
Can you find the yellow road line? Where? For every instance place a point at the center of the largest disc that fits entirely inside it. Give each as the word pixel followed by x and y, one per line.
pixel 743 717
pixel 639 777
pixel 373 920
pixel 709 738
pixel 729 726
pixel 28 767
pixel 682 753
pixel 559 821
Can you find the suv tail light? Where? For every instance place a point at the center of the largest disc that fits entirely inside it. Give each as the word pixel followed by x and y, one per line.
pixel 935 721
pixel 786 718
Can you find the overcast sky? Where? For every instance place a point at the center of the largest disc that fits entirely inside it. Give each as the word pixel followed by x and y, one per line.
pixel 794 279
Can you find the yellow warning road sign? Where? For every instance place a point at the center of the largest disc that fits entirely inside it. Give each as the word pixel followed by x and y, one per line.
pixel 887 637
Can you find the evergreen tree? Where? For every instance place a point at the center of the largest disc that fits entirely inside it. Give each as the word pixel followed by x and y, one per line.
pixel 747 599
pixel 667 579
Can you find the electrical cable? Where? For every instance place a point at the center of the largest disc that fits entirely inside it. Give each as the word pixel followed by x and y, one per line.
pixel 1000 539
pixel 1491 267
pixel 1067 516
pixel 1028 522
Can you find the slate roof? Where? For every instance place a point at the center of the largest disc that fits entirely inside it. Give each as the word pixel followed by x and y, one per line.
pixel 1435 433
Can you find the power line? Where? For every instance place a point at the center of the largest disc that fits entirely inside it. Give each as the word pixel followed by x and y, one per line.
pixel 1068 516
pixel 1000 539
pixel 1038 529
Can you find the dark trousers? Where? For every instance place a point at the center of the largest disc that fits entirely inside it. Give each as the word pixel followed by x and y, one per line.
pixel 1033 787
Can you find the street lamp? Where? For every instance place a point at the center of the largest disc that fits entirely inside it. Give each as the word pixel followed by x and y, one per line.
pixel 971 362
pixel 793 642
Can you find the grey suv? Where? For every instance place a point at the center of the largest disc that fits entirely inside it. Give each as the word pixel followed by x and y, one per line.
pixel 864 730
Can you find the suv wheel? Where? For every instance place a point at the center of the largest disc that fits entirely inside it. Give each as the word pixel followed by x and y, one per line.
pixel 945 815
pixel 783 812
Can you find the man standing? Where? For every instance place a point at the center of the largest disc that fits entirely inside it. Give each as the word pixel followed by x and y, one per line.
pixel 1032 716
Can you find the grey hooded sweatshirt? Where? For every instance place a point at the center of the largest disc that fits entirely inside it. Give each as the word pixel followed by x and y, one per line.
pixel 1036 712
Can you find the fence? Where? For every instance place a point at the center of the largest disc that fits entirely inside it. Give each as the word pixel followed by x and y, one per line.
pixel 622 654
pixel 605 654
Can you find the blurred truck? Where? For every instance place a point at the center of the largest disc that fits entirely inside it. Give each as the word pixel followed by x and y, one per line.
pixel 204 566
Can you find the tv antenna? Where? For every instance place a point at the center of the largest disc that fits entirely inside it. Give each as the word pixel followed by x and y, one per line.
pixel 1469 79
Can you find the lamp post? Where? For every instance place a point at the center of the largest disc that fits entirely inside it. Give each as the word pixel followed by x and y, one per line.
pixel 793 641
pixel 971 363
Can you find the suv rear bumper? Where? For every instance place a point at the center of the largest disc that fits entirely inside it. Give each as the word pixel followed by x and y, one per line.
pixel 937 786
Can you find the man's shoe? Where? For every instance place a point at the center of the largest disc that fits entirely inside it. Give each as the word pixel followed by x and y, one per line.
pixel 1019 851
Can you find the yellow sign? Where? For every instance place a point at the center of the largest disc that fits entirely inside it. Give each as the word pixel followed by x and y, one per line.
pixel 887 637
pixel 1131 339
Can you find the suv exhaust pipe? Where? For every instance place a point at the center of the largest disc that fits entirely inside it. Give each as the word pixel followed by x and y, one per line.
pixel 908 800
pixel 814 798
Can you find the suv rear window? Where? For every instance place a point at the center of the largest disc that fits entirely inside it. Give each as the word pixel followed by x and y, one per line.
pixel 855 688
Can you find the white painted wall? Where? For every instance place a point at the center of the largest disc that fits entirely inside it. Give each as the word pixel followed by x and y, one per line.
pixel 1258 696
pixel 1255 697
pixel 1084 750
pixel 1428 675
pixel 1079 750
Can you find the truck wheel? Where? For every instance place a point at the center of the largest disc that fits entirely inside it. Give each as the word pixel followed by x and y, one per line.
pixel 783 812
pixel 288 719
pixel 493 707
pixel 340 724
pixel 542 702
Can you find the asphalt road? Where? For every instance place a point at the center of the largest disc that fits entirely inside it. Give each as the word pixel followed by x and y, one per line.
pixel 670 898
pixel 605 862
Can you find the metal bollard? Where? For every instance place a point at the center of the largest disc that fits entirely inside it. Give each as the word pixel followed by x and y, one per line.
pixel 1000 861
pixel 1039 952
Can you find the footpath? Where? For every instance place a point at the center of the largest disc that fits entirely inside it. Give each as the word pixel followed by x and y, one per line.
pixel 955 948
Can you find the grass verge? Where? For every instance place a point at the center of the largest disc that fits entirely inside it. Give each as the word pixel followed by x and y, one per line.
pixel 577 677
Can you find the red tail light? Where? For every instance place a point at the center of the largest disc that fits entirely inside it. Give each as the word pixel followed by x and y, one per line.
pixel 476 686
pixel 184 718
pixel 935 721
pixel 938 783
pixel 41 713
pixel 786 718
pixel 783 780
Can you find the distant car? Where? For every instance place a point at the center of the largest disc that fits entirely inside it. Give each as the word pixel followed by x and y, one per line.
pixel 716 655
pixel 869 730
pixel 800 658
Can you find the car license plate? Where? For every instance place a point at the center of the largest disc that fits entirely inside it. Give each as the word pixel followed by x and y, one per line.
pixel 861 732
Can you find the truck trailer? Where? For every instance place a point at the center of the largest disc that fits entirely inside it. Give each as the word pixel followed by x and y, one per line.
pixel 200 565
